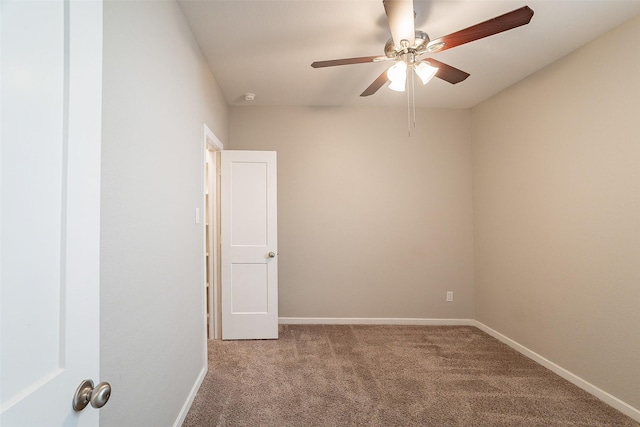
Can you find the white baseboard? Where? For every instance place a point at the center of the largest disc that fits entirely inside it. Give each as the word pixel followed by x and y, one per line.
pixel 607 398
pixel 192 395
pixel 373 321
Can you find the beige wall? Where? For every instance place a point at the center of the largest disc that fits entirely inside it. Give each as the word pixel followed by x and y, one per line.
pixel 157 93
pixel 371 223
pixel 556 175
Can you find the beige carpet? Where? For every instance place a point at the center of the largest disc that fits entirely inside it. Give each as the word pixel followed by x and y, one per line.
pixel 330 375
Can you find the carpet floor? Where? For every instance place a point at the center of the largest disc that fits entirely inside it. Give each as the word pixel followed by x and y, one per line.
pixel 357 375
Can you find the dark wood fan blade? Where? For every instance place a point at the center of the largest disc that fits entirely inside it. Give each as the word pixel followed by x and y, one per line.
pixel 346 61
pixel 447 72
pixel 493 26
pixel 377 84
pixel 401 21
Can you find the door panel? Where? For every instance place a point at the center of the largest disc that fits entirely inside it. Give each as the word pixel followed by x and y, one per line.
pixel 50 162
pixel 250 288
pixel 249 235
pixel 249 207
pixel 32 211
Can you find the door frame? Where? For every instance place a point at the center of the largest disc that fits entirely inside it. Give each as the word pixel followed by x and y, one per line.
pixel 211 182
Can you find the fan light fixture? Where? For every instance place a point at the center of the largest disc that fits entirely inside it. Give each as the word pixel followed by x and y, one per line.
pixel 404 70
pixel 397 74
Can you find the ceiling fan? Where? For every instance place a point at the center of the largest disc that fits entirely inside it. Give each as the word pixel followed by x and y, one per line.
pixel 407 45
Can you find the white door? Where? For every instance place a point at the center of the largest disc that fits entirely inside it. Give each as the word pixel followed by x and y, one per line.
pixel 249 245
pixel 50 209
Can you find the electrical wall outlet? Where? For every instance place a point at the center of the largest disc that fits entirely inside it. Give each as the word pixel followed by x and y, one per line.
pixel 449 296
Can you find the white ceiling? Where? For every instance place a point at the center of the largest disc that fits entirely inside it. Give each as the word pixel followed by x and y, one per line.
pixel 267 47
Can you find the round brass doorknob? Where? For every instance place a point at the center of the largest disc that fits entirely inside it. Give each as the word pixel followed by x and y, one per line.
pixel 86 393
pixel 272 254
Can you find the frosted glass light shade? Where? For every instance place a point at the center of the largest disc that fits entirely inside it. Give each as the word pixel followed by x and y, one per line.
pixel 425 72
pixel 397 85
pixel 398 76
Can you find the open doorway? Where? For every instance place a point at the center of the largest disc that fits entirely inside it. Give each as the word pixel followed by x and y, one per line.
pixel 211 232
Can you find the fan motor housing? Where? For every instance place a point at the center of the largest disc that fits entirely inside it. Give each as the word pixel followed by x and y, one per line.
pixel 420 45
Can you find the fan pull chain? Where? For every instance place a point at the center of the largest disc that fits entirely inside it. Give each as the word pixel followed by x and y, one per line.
pixel 409 106
pixel 411 99
pixel 413 95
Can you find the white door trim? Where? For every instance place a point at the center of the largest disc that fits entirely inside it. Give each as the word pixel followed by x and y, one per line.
pixel 212 145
